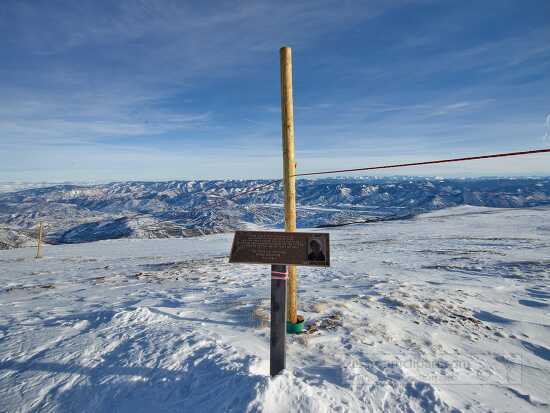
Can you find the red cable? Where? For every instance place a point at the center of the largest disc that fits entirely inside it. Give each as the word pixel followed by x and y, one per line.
pixel 470 158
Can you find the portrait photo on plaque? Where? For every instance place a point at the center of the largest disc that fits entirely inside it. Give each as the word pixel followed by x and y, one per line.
pixel 316 251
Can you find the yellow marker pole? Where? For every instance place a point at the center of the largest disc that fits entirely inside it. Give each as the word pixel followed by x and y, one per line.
pixel 39 241
pixel 289 170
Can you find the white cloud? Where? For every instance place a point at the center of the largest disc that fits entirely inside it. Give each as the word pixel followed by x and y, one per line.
pixel 546 137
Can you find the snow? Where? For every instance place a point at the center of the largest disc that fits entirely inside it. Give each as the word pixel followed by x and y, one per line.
pixel 448 311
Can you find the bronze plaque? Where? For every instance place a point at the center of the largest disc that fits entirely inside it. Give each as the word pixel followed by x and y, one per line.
pixel 292 248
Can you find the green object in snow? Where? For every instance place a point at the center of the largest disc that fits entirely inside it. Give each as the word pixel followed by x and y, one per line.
pixel 297 328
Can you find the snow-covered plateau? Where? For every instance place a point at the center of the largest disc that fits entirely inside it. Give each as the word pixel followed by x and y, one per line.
pixel 445 311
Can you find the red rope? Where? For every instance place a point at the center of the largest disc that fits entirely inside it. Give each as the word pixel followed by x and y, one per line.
pixel 469 158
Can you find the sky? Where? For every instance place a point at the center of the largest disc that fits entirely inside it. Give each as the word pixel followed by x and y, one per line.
pixel 155 90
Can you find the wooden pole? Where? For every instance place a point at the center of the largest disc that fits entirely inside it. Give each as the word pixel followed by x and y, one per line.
pixel 289 169
pixel 39 241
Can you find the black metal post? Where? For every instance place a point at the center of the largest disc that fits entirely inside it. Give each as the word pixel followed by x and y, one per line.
pixel 279 276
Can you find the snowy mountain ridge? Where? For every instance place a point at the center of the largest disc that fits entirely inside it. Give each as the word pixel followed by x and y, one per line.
pixel 83 213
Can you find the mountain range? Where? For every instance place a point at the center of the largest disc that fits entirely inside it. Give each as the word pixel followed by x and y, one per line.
pixel 82 213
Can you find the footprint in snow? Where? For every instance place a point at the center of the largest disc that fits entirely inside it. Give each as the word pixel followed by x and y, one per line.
pixel 537 350
pixel 533 303
pixel 539 293
pixel 492 318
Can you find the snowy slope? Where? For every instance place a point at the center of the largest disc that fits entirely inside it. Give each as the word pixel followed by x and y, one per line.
pixel 16 238
pixel 445 312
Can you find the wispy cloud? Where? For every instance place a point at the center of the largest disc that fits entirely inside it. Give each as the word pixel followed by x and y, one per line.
pixel 460 107
pixel 546 137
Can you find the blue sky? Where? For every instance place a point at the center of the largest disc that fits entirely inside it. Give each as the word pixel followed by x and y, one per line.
pixel 143 90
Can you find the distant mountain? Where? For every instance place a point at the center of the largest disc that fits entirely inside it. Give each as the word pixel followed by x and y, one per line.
pixel 11 186
pixel 83 213
pixel 15 238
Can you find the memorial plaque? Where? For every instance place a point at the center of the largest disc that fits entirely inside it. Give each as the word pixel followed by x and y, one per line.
pixel 290 248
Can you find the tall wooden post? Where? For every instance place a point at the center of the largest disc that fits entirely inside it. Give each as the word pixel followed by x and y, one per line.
pixel 289 169
pixel 39 241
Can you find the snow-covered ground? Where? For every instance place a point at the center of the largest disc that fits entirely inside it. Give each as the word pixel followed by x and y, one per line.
pixel 448 311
